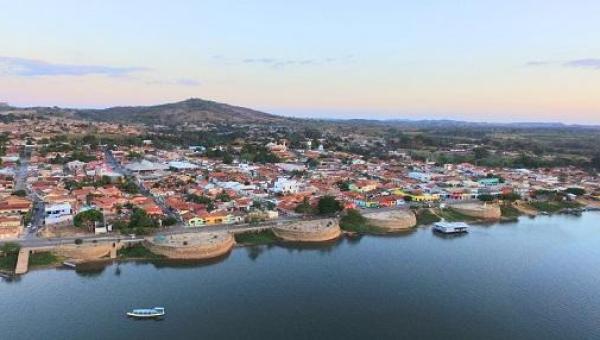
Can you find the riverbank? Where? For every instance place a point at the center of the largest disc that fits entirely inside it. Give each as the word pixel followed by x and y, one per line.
pixel 320 231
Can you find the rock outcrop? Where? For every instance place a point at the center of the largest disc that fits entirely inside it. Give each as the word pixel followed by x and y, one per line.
pixel 484 211
pixel 309 231
pixel 191 246
pixel 392 221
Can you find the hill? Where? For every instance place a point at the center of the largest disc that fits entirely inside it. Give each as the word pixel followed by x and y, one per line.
pixel 191 111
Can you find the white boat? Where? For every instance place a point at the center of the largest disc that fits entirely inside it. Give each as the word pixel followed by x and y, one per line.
pixel 451 227
pixel 147 313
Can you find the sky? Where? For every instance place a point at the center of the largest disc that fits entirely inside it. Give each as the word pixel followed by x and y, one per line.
pixel 500 61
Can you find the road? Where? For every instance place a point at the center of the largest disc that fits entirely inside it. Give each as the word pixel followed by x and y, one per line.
pixel 117 167
pixel 37 216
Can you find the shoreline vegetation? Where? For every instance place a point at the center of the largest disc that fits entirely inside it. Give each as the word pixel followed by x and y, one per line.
pixel 352 222
pixel 253 238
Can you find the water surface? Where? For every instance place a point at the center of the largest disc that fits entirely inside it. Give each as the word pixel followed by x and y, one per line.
pixel 538 278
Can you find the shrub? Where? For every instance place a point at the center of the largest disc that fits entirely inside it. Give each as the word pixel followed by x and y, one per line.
pixel 328 205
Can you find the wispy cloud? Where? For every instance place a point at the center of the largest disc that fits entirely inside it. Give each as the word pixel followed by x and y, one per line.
pixel 537 63
pixel 584 63
pixel 24 67
pixel 179 82
pixel 279 63
pixel 587 63
pixel 187 82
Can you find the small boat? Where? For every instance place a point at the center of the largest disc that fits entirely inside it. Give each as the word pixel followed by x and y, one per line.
pixel 451 227
pixel 147 313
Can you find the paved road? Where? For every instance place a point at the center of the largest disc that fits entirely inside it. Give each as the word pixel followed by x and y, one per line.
pixel 110 159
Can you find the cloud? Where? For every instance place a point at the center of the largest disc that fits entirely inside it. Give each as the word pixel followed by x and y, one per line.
pixel 590 63
pixel 179 82
pixel 24 67
pixel 537 63
pixel 280 63
pixel 187 82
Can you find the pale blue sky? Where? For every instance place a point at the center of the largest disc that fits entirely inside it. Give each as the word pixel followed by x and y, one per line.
pixel 475 60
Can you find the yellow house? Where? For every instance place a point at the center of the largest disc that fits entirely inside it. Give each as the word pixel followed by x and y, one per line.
pixel 417 198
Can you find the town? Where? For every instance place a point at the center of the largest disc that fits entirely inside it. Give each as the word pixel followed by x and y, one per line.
pixel 71 179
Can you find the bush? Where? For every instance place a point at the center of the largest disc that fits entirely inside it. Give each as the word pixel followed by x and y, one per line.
pixel 576 191
pixel 304 207
pixel 78 241
pixel 486 198
pixel 169 221
pixel 328 205
pixel 20 193
pixel 10 248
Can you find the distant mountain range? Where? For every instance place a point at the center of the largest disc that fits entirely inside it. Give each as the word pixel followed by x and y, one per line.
pixel 198 111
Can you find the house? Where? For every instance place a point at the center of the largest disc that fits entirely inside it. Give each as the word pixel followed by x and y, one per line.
pixel 57 213
pixel 420 176
pixel 286 186
pixel 489 182
pixel 11 226
pixel 15 205
pixel 363 186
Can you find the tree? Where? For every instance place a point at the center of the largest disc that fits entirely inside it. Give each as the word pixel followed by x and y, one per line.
pixel 328 205
pixel 481 153
pixel 304 207
pixel 511 196
pixel 169 221
pixel 198 199
pixel 140 220
pixel 223 197
pixel 227 158
pixel 352 220
pixel 575 191
pixel 312 163
pixel 486 198
pixel 129 186
pixel 87 218
pixel 343 185
pixel 595 162
pixel 20 193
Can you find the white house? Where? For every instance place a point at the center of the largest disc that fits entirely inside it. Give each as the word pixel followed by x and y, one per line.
pixel 420 176
pixel 57 213
pixel 286 186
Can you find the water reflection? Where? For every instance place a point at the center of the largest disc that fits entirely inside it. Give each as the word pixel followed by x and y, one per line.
pixel 448 236
pixel 91 269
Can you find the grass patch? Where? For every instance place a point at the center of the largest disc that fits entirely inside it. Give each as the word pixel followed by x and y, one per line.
pixel 510 212
pixel 43 259
pixel 553 206
pixel 354 221
pixel 256 237
pixel 452 215
pixel 137 251
pixel 8 262
pixel 426 217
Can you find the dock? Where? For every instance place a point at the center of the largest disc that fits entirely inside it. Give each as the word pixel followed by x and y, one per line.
pixel 22 261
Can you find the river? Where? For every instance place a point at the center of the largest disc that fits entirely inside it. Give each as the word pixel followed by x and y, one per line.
pixel 537 278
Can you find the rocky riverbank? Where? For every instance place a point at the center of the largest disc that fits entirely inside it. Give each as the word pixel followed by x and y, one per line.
pixel 309 231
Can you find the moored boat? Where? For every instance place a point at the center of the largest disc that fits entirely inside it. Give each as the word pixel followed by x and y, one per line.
pixel 451 227
pixel 147 313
